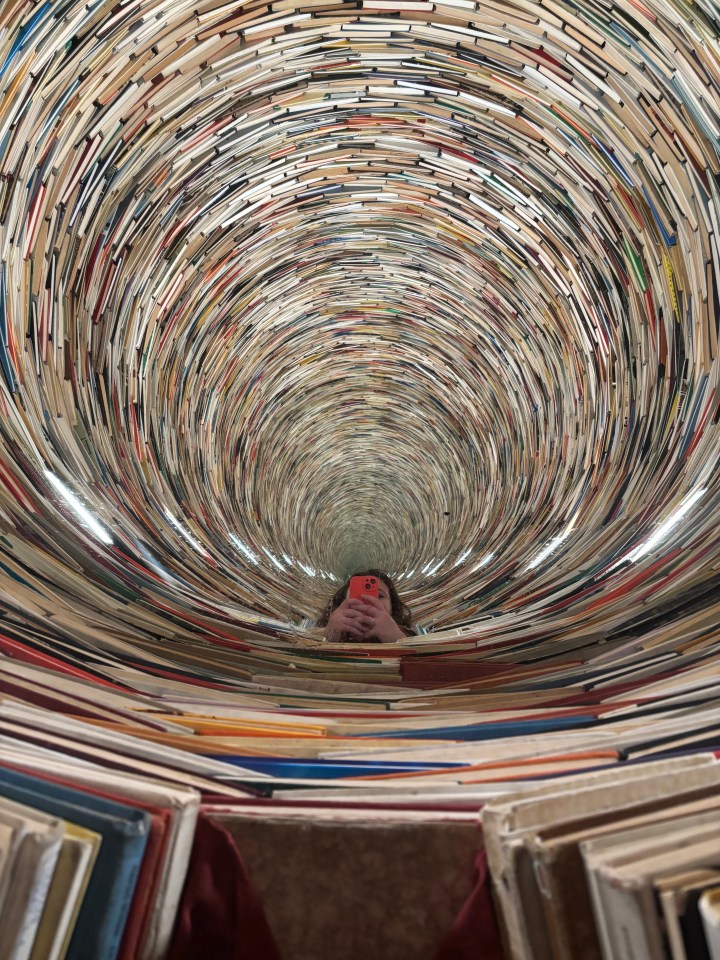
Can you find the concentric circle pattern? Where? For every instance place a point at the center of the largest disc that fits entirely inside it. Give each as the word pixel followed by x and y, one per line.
pixel 293 288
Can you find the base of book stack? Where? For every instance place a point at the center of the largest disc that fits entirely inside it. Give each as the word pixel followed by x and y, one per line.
pixel 142 850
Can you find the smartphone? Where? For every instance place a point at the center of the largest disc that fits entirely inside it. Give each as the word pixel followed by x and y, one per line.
pixel 363 584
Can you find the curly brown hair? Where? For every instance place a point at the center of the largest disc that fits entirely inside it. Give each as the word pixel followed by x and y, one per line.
pixel 399 611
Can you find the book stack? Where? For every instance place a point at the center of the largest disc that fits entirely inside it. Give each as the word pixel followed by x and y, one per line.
pixel 608 865
pixel 384 793
pixel 435 268
pixel 293 288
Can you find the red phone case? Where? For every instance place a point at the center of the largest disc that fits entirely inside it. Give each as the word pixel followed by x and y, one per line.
pixel 363 584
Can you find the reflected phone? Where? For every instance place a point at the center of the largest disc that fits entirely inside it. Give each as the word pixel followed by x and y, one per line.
pixel 364 583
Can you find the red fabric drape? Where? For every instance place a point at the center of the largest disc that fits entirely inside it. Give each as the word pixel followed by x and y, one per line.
pixel 220 915
pixel 474 934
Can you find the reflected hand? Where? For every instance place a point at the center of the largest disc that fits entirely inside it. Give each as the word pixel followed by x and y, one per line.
pixel 382 626
pixel 350 617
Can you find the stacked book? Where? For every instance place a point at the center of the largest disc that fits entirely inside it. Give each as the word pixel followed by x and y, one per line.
pixel 162 812
pixel 290 288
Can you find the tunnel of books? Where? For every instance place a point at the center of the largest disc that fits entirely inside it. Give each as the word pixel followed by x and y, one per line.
pixel 292 288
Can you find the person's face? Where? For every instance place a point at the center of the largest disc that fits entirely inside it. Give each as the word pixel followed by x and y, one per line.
pixel 384 597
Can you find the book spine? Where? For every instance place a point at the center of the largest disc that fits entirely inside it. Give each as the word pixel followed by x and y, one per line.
pixel 35 900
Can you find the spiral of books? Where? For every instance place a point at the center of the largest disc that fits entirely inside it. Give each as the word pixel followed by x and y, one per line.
pixel 292 289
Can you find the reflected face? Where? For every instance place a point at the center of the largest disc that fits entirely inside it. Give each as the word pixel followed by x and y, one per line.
pixel 384 597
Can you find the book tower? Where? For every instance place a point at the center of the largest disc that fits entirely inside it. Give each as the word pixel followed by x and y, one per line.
pixel 293 289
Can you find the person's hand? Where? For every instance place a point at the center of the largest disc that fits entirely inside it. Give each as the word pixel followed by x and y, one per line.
pixel 350 617
pixel 382 626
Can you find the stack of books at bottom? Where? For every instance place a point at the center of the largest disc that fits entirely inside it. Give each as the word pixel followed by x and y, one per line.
pixel 92 861
pixel 619 864
pixel 246 834
pixel 112 847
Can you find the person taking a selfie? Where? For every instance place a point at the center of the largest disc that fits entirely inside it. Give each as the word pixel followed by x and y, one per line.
pixel 366 609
